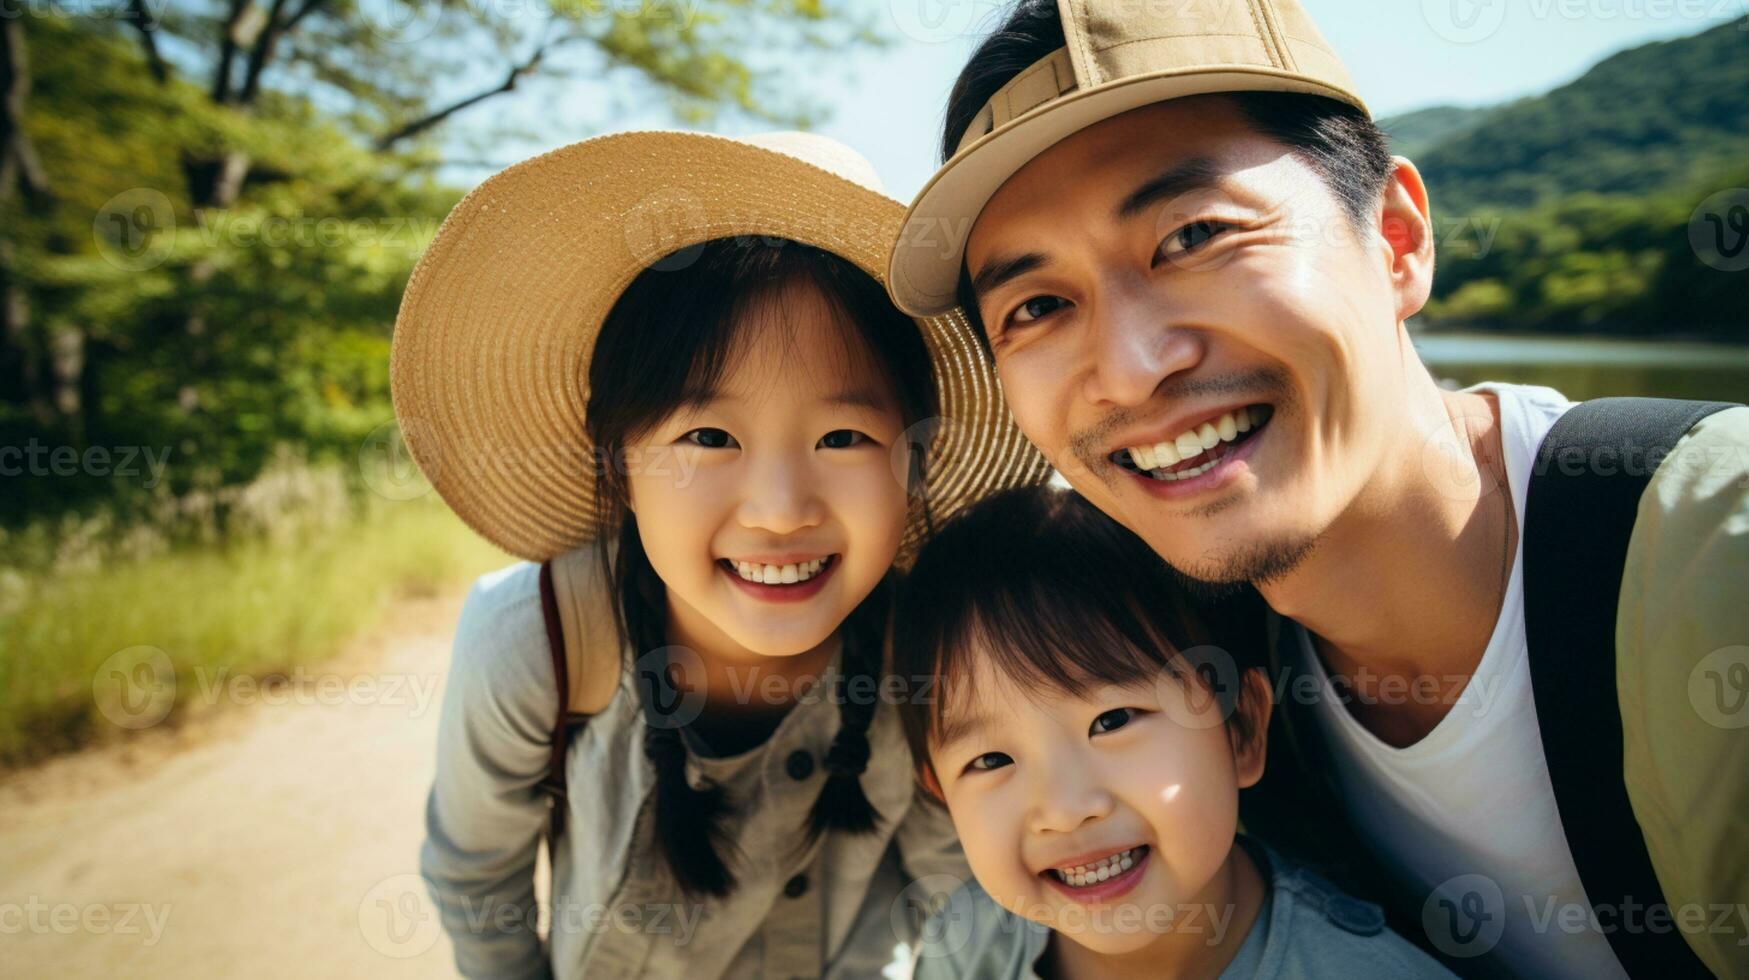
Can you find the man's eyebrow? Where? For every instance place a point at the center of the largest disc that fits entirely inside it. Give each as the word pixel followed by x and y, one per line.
pixel 1193 174
pixel 1003 268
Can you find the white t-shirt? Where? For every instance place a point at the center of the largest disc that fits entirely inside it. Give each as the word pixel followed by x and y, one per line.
pixel 1466 816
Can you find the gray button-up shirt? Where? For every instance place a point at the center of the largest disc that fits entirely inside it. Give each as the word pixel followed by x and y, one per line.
pixel 846 907
pixel 1307 929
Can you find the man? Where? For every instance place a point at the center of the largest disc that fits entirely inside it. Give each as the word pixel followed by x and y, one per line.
pixel 1192 256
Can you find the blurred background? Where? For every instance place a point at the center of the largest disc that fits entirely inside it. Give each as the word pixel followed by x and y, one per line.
pixel 226 593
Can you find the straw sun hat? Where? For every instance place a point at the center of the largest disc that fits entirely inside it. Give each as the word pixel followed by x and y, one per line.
pixel 490 361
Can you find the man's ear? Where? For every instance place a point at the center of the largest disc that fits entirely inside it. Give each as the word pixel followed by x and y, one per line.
pixel 1406 229
pixel 1256 703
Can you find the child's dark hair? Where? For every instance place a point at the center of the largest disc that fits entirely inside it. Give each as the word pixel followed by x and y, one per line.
pixel 1344 147
pixel 670 338
pixel 1060 597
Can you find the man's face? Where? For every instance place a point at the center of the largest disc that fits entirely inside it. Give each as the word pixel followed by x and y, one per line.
pixel 1195 334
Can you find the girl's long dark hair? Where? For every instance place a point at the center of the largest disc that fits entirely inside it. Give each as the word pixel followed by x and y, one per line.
pixel 673 334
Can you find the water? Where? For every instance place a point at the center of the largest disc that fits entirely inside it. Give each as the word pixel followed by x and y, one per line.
pixel 1588 367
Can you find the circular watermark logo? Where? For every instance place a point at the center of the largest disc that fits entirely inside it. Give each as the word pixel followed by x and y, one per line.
pixel 136 687
pixel 1718 230
pixel 938 910
pixel 1718 687
pixel 672 684
pixel 386 465
pixel 1206 700
pixel 1464 21
pixel 400 21
pixel 136 229
pixel 667 229
pixel 934 21
pixel 912 450
pixel 1465 916
pixel 397 917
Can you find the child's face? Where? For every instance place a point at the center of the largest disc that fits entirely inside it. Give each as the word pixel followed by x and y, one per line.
pixel 786 474
pixel 1052 782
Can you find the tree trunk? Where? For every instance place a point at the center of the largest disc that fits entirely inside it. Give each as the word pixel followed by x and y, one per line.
pixel 21 180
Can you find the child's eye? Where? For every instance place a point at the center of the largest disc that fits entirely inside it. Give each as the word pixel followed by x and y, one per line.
pixel 1112 720
pixel 843 439
pixel 710 438
pixel 989 760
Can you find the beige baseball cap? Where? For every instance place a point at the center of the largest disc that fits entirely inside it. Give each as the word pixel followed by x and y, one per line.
pixel 1119 55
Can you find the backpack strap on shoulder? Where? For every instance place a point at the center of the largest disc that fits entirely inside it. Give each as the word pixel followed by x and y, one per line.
pixel 1583 500
pixel 553 784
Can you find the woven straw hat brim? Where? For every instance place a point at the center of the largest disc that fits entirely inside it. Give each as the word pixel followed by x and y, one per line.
pixel 490 359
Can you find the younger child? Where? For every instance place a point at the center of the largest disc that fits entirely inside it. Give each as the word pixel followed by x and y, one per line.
pixel 1090 733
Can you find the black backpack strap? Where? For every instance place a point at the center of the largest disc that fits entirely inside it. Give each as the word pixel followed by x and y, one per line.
pixel 1583 500
pixel 553 784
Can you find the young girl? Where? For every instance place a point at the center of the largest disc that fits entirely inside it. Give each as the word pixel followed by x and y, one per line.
pixel 659 365
pixel 1093 731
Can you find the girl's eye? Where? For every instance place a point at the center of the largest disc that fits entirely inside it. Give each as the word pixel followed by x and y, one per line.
pixel 1037 308
pixel 710 438
pixel 842 439
pixel 1112 720
pixel 989 760
pixel 1192 236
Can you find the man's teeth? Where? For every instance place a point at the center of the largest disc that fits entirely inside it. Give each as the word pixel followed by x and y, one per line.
pixel 1082 875
pixel 781 574
pixel 1195 442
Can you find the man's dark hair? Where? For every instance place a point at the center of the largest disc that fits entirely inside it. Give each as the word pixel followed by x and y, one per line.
pixel 1344 147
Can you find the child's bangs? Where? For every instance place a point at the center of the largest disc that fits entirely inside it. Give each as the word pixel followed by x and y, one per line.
pixel 1049 642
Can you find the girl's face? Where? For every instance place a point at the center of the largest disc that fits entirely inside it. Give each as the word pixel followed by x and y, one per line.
pixel 771 507
pixel 1106 814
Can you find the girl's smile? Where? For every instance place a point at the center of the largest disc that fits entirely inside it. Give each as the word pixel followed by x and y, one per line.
pixel 786 581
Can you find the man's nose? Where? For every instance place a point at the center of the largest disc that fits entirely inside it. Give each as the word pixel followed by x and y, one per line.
pixel 1136 342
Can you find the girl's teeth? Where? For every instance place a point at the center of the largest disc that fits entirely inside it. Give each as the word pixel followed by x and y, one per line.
pixel 780 574
pixel 1194 443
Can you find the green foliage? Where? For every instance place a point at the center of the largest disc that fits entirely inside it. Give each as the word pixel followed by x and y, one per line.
pixel 1639 122
pixel 1570 212
pixel 219 334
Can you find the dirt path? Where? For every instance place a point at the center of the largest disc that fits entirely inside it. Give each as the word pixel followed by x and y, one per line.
pixel 267 840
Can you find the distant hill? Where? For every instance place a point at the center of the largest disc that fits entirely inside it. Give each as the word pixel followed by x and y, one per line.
pixel 1640 121
pixel 1571 211
pixel 1414 133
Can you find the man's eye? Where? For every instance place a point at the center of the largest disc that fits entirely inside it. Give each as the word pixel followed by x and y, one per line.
pixel 1112 720
pixel 1192 236
pixel 710 438
pixel 1037 308
pixel 843 439
pixel 989 760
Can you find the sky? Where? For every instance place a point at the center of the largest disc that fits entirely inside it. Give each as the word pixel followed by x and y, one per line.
pixel 1402 54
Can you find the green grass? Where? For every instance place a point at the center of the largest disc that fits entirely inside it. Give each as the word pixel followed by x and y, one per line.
pixel 258 607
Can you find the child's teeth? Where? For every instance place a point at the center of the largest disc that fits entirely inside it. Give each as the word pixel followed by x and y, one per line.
pixel 1088 874
pixel 788 574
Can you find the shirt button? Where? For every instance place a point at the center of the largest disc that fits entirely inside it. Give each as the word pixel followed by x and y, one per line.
pixel 796 886
pixel 800 765
pixel 1353 915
